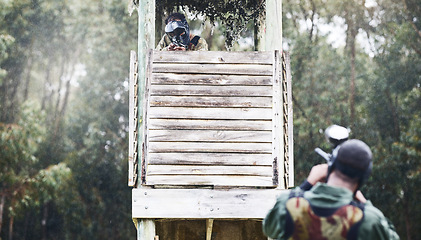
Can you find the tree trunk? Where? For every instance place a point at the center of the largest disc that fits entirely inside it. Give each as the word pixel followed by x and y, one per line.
pixel 352 83
pixel 259 33
pixel 44 221
pixel 395 115
pixel 12 219
pixel 27 220
pixel 351 36
pixel 407 214
pixel 28 72
pixel 67 93
pixel 59 89
pixel 159 22
pixel 2 202
pixel 46 92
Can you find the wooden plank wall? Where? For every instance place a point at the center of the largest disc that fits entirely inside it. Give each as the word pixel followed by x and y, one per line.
pixel 209 119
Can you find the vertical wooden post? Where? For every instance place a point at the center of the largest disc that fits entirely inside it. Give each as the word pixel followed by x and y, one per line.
pixel 209 226
pixel 273 25
pixel 146 229
pixel 273 42
pixel 146 40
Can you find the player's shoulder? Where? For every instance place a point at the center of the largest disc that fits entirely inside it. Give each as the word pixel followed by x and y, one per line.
pixel 372 213
pixel 375 225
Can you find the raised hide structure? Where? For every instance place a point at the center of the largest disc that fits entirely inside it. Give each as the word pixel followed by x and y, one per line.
pixel 212 139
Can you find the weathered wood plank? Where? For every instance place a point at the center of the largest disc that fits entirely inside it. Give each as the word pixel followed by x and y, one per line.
pixel 132 116
pixel 202 79
pixel 197 90
pixel 194 180
pixel 196 124
pixel 221 159
pixel 216 57
pixel 209 136
pixel 210 147
pixel 189 101
pixel 234 69
pixel 278 143
pixel 211 113
pixel 264 171
pixel 290 120
pixel 203 203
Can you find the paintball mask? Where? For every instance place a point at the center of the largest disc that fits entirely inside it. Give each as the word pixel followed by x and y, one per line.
pixel 179 32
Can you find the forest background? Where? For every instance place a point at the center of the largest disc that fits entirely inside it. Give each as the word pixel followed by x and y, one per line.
pixel 64 106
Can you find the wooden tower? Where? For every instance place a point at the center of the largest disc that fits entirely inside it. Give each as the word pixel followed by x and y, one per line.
pixel 210 132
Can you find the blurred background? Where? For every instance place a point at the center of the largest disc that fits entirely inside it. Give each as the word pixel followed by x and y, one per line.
pixel 64 69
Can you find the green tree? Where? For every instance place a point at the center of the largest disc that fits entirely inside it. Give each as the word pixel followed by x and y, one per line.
pixel 45 41
pixel 386 98
pixel 96 133
pixel 18 143
pixel 320 74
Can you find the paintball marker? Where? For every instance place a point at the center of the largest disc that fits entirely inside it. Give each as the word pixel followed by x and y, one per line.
pixel 336 135
pixel 178 42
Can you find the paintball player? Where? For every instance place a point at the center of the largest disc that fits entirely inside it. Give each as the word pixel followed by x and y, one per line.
pixel 177 36
pixel 329 205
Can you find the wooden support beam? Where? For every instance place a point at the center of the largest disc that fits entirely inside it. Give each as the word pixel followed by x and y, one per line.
pixel 145 229
pixel 155 203
pixel 209 225
pixel 273 25
pixel 146 36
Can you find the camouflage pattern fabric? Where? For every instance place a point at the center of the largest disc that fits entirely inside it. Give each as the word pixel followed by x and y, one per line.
pixel 165 41
pixel 308 225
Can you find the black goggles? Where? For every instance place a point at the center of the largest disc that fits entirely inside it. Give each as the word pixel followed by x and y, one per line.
pixel 175 28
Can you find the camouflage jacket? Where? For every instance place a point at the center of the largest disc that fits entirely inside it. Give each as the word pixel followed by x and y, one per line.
pixel 166 41
pixel 374 225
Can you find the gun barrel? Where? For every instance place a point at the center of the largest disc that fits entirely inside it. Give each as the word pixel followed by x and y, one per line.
pixel 322 153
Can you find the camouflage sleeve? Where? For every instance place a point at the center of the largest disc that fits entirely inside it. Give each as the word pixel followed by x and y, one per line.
pixel 274 222
pixel 163 43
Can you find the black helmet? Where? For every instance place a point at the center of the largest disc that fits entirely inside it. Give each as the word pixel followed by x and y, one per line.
pixel 178 30
pixel 353 158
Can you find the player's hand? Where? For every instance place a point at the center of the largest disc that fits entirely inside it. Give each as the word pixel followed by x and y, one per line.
pixel 173 47
pixel 360 197
pixel 318 173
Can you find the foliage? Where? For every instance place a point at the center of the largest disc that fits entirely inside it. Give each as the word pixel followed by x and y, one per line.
pixel 77 187
pixel 233 15
pixel 96 128
pixel 5 42
pixel 18 144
